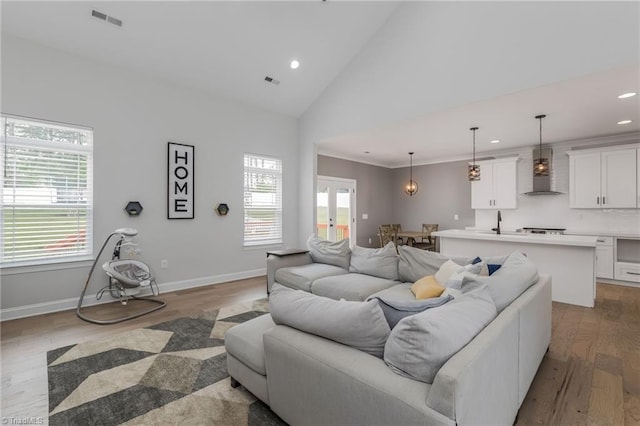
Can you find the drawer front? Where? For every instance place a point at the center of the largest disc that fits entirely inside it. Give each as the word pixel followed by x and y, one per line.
pixel 627 271
pixel 605 241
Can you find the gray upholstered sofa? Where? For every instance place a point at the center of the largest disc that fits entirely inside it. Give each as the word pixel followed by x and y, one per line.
pixel 308 379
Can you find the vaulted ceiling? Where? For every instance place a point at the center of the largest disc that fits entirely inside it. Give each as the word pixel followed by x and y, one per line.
pixel 396 76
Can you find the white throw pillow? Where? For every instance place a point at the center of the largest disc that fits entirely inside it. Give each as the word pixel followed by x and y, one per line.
pixel 446 271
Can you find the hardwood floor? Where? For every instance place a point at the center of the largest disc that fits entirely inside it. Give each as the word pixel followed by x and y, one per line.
pixel 590 376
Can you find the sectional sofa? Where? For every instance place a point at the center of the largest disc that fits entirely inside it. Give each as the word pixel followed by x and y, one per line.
pixel 299 362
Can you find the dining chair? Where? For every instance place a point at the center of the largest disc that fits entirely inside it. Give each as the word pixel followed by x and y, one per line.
pixel 398 228
pixel 387 234
pixel 428 241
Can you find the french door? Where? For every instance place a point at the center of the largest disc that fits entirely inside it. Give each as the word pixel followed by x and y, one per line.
pixel 336 209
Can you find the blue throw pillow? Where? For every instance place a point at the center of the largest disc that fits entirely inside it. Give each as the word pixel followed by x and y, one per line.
pixel 492 268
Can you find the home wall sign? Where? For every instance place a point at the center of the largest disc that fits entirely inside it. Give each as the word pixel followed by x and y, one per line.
pixel 180 196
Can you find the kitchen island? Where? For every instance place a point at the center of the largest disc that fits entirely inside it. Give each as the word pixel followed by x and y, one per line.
pixel 570 259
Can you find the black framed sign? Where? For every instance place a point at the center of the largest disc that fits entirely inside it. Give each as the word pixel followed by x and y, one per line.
pixel 181 183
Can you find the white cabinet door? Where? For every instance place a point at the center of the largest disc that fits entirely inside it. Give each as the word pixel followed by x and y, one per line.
pixel 619 177
pixel 584 179
pixel 497 187
pixel 604 262
pixel 504 185
pixel 482 190
pixel 638 178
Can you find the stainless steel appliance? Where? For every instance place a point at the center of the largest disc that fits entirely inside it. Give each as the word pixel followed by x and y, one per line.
pixel 550 231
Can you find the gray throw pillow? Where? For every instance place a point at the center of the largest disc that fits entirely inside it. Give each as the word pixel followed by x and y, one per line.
pixel 381 262
pixel 329 252
pixel 421 344
pixel 361 325
pixel 395 310
pixel 416 263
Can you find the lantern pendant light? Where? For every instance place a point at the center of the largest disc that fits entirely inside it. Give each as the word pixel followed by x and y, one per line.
pixel 474 169
pixel 412 186
pixel 541 165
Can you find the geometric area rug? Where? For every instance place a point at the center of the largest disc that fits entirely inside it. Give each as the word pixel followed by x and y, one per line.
pixel 169 373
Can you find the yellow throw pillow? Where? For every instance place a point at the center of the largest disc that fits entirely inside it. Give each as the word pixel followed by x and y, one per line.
pixel 426 288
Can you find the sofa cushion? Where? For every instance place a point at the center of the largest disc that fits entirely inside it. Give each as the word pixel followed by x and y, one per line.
pixel 329 252
pixel 516 275
pixel 395 310
pixel 301 277
pixel 415 263
pixel 399 292
pixel 427 287
pixel 352 286
pixel 361 325
pixel 420 344
pixel 381 262
pixel 244 341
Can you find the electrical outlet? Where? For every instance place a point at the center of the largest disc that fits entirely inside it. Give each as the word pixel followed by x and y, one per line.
pixel 369 240
pixel 456 217
pixel 164 264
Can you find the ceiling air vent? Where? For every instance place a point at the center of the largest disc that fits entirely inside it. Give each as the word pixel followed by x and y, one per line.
pixel 271 80
pixel 104 17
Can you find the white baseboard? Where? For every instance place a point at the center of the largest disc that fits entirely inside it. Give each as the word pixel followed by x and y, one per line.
pixel 617 282
pixel 89 300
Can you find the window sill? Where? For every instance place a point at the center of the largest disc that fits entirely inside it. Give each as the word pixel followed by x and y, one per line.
pixel 27 267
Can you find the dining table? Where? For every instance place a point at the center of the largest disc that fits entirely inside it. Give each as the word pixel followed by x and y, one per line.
pixel 411 236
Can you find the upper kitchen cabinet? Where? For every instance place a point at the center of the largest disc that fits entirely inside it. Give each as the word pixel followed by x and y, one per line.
pixel 603 178
pixel 496 188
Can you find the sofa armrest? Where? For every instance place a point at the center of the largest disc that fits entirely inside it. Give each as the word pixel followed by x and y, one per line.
pixel 276 262
pixel 479 384
pixel 312 380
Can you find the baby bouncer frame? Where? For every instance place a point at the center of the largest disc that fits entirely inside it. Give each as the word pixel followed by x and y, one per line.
pixel 126 276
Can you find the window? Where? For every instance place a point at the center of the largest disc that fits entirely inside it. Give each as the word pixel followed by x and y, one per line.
pixel 262 200
pixel 46 191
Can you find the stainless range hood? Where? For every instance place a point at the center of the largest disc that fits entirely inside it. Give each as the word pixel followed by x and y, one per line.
pixel 542 184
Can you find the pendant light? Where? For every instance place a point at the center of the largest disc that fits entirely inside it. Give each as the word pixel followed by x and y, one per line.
pixel 474 170
pixel 412 186
pixel 541 165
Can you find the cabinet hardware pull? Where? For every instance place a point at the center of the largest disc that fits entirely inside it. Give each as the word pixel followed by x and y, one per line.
pixel 603 200
pixel 598 200
pixel 633 273
pixel 601 241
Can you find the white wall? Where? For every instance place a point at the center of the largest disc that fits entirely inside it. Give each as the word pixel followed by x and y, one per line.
pixel 432 56
pixel 134 117
pixel 552 211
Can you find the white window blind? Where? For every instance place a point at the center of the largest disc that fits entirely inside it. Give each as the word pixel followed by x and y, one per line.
pixel 262 200
pixel 46 191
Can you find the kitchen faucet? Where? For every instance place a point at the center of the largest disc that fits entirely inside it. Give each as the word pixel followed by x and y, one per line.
pixel 499 220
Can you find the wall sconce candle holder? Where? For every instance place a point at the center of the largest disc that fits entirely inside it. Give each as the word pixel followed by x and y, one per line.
pixel 133 208
pixel 222 209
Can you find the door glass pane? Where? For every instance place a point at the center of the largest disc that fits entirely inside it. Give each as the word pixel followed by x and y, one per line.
pixel 343 204
pixel 322 201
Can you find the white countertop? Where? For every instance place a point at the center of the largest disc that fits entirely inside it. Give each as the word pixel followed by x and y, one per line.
pixel 603 234
pixel 516 237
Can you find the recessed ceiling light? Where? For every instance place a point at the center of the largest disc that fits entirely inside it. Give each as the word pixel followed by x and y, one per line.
pixel 624 122
pixel 627 95
pixel 294 64
pixel 495 141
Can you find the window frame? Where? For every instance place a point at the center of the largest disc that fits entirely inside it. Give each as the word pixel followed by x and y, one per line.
pixel 278 174
pixel 85 150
